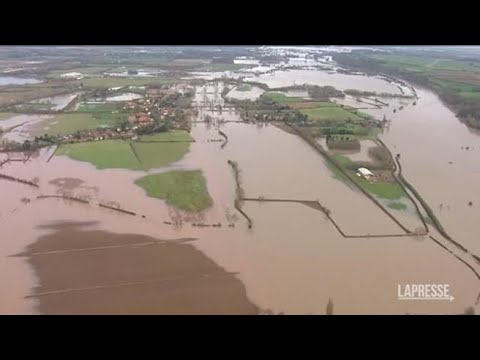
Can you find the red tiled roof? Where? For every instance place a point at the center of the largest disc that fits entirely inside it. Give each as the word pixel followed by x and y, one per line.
pixel 144 119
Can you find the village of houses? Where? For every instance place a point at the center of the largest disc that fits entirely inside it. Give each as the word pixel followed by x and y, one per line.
pixel 145 116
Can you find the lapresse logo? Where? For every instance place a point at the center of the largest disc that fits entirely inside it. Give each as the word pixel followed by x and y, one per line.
pixel 424 292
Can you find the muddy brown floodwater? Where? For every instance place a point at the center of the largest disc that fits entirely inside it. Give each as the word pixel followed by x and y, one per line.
pixel 293 260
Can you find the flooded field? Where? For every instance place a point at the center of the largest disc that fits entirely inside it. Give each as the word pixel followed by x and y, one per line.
pixel 322 78
pixel 296 254
pixel 17 128
pixel 11 80
pixel 57 102
pixel 124 97
pixel 250 94
pixel 293 259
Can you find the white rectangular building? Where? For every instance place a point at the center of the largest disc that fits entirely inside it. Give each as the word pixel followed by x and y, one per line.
pixel 365 173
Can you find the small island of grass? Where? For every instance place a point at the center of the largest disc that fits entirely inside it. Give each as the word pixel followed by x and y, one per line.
pixel 186 190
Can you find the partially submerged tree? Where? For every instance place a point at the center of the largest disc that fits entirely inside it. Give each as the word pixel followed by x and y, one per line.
pixel 330 307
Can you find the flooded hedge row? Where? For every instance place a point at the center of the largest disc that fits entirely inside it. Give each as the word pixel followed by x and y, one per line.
pixel 239 192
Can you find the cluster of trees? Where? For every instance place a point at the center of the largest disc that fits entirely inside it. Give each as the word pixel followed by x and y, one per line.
pixel 324 92
pixel 354 92
pixel 158 126
pixel 99 93
pixel 337 130
pixel 45 138
pixel 27 145
pixel 152 129
pixel 470 114
pixel 380 154
pixel 175 100
pixel 343 142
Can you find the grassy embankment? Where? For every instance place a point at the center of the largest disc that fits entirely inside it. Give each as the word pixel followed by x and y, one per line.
pixel 186 190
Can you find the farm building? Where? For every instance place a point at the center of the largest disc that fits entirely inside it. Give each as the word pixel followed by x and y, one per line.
pixel 365 173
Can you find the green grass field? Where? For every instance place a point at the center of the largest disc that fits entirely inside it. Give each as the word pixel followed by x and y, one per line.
pixel 281 97
pixel 455 85
pixel 310 104
pixel 405 61
pixel 103 154
pixel 384 190
pixel 156 155
pixel 446 64
pixel 186 190
pixel 4 116
pixel 118 153
pixel 329 113
pixel 111 81
pixel 95 108
pixel 467 91
pixel 172 135
pixel 426 64
pixel 432 68
pixel 342 160
pixel 69 123
pixel 470 94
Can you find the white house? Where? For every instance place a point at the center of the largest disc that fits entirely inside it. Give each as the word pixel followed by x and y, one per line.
pixel 367 174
